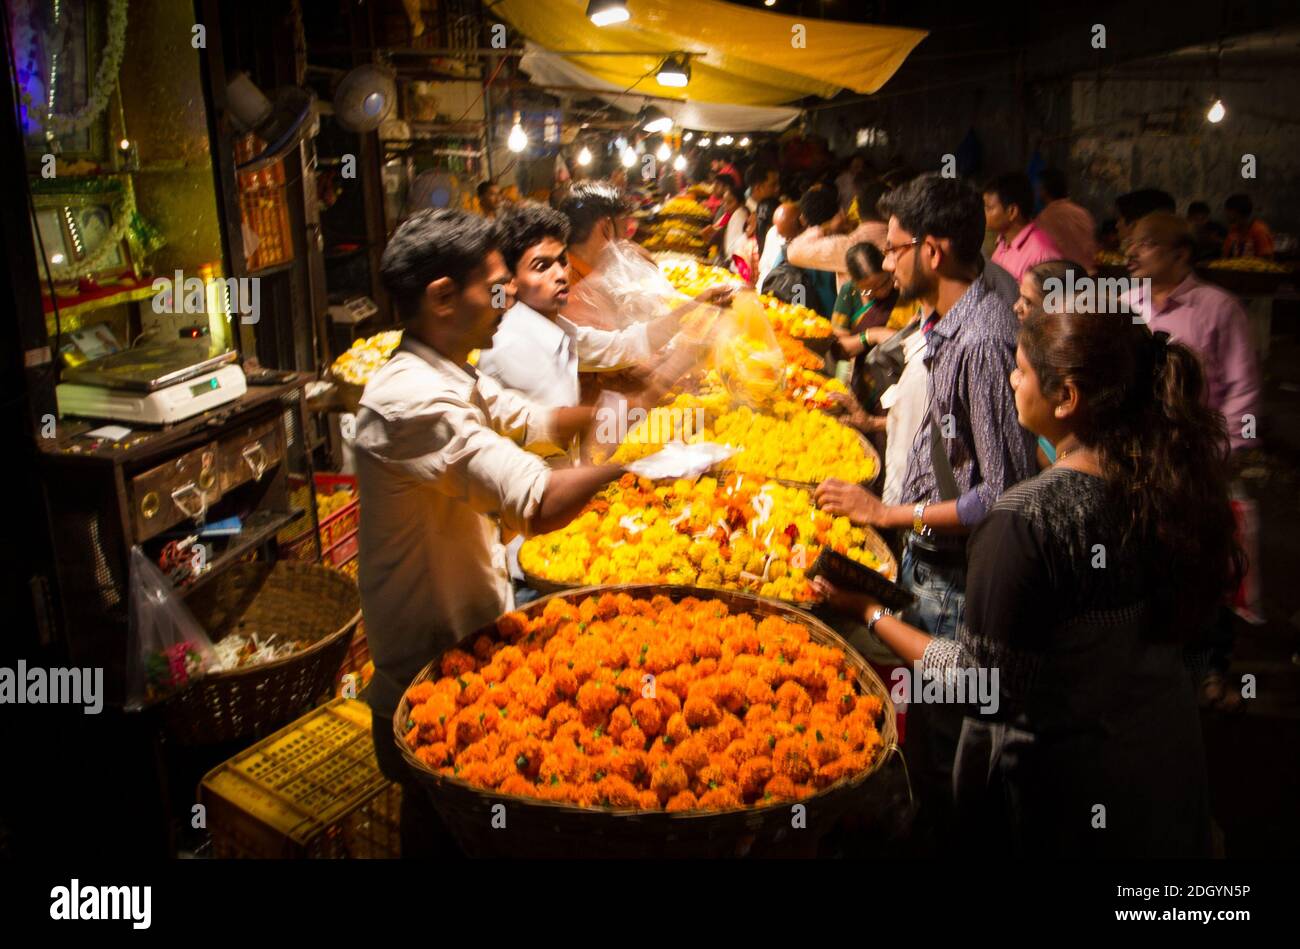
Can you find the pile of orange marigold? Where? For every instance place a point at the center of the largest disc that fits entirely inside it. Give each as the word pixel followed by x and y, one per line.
pixel 646 704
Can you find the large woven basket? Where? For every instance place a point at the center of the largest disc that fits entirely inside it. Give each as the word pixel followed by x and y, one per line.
pixel 873 542
pixel 547 829
pixel 868 450
pixel 305 602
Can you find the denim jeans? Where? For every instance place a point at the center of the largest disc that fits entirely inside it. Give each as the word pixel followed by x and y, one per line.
pixel 940 592
pixel 933 730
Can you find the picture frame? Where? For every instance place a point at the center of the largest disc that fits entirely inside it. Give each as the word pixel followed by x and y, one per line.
pixel 83 221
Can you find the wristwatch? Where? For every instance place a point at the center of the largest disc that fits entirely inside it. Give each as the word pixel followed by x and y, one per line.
pixel 879 613
pixel 918 525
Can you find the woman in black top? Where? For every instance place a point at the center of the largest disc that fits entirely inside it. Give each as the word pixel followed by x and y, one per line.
pixel 1083 583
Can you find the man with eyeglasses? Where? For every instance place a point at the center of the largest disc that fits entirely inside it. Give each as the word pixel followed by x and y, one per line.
pixel 970 447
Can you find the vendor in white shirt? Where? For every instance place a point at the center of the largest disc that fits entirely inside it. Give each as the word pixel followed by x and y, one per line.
pixel 439 465
pixel 536 350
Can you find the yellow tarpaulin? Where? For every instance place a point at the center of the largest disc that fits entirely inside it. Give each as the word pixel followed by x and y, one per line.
pixel 747 57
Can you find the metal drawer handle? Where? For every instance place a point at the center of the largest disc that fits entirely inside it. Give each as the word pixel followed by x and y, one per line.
pixel 150 504
pixel 199 505
pixel 207 478
pixel 255 456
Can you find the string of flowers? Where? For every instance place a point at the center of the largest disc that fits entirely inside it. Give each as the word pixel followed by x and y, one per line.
pixel 105 78
pixel 126 213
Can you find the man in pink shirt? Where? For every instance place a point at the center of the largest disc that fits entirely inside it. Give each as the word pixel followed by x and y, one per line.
pixel 1200 315
pixel 1009 211
pixel 1066 223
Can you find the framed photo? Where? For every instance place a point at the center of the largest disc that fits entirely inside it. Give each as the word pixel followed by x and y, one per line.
pixel 77 225
pixel 59 58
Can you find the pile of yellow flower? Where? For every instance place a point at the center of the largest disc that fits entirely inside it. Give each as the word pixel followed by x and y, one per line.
pixel 740 534
pixel 359 363
pixel 669 234
pixel 686 207
pixel 692 277
pixel 1247 264
pixel 332 503
pixel 811 389
pixel 802 445
pixel 794 320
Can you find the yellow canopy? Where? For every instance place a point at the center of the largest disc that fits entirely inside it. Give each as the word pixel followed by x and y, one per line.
pixel 748 57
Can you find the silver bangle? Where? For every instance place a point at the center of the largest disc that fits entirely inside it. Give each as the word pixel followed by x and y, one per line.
pixel 879 613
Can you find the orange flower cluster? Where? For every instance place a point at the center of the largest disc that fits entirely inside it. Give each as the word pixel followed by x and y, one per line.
pixel 646 704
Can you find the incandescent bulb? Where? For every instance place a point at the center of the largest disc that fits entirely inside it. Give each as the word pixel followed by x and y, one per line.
pixel 584 156
pixel 664 152
pixel 518 139
pixel 1217 111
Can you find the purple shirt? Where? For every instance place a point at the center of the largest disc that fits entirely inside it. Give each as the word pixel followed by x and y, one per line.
pixel 1211 322
pixel 1031 246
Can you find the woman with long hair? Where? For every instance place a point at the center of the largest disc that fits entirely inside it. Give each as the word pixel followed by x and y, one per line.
pixel 1084 585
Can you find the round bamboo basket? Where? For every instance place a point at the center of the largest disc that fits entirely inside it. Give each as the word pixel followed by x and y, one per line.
pixel 873 542
pixel 309 603
pixel 868 449
pixel 545 829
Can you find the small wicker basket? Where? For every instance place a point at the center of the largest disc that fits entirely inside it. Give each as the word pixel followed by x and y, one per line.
pixel 546 829
pixel 309 603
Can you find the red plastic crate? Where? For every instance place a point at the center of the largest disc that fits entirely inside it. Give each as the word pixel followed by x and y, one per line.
pixel 335 530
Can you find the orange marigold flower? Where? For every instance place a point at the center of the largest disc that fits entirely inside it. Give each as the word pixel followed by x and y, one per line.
pixel 668 779
pixel 633 738
pixel 754 776
pixel 682 801
pixel 648 716
pixel 420 692
pixel 456 662
pixel 648 801
pixel 700 712
pixel 513 625
pixel 722 798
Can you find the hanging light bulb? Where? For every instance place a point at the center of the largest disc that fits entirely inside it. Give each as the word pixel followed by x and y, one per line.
pixel 664 153
pixel 679 163
pixel 705 142
pixel 584 156
pixel 607 12
pixel 744 142
pixel 518 139
pixel 688 136
pixel 628 158
pixel 1217 112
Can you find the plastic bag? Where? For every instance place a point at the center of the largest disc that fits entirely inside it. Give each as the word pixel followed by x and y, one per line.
pixel 679 460
pixel 168 647
pixel 746 352
pixel 624 289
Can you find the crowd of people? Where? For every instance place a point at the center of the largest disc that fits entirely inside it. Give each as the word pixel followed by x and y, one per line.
pixel 1058 471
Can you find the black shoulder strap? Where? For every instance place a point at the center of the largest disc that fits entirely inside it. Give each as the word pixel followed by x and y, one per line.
pixel 943 476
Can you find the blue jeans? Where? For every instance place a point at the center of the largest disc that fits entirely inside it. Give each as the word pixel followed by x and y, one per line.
pixel 940 592
pixel 933 730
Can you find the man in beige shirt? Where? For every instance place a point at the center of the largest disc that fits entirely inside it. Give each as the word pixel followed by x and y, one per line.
pixel 825 244
pixel 439 467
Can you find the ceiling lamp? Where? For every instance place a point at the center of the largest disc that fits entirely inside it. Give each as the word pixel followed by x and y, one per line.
pixel 679 163
pixel 655 120
pixel 664 152
pixel 675 71
pixel 744 142
pixel 688 136
pixel 705 142
pixel 518 139
pixel 1217 112
pixel 629 158
pixel 584 156
pixel 607 12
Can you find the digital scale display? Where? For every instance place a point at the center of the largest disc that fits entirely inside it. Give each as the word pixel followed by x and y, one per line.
pixel 206 386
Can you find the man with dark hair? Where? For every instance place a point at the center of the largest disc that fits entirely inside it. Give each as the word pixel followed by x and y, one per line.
pixel 763 182
pixel 970 448
pixel 598 213
pixel 538 352
pixel 1248 236
pixel 439 464
pixel 824 268
pixel 1135 205
pixel 1009 211
pixel 489 198
pixel 1209 234
pixel 1068 224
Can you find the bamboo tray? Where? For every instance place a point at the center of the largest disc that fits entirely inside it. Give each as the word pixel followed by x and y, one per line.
pixel 547 829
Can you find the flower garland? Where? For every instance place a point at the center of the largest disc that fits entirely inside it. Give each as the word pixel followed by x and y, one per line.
pixel 105 77
pixel 112 239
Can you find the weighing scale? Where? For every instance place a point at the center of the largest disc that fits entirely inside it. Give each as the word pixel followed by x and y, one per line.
pixel 155 384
